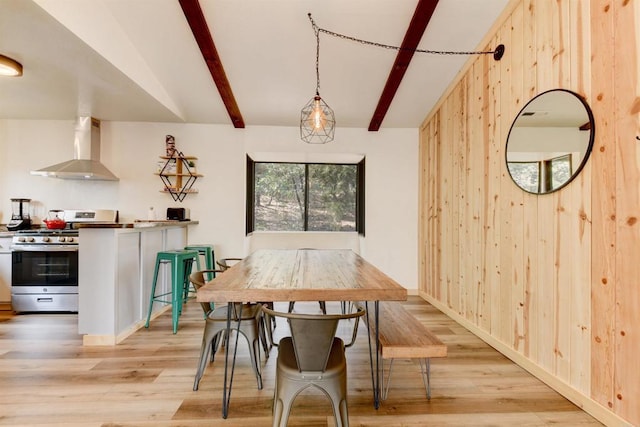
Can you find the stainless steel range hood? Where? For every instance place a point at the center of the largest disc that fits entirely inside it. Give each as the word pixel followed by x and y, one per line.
pixel 86 163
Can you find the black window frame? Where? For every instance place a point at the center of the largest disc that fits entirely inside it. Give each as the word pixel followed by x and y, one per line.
pixel 360 193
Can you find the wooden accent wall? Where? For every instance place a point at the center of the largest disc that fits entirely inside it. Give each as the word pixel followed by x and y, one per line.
pixel 552 281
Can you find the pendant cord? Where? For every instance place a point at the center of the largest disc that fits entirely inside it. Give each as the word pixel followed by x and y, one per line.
pixel 497 53
pixel 316 31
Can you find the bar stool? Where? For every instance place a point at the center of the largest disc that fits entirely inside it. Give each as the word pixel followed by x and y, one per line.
pixel 207 252
pixel 181 265
pixel 209 261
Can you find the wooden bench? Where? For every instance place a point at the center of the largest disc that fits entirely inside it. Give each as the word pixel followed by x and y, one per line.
pixel 403 336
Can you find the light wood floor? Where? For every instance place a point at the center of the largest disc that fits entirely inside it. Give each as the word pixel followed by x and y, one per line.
pixel 48 378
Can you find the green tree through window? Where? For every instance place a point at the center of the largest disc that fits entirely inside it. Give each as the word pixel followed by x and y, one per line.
pixel 304 196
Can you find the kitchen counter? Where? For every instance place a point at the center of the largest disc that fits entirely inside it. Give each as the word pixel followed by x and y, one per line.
pixel 136 224
pixel 115 271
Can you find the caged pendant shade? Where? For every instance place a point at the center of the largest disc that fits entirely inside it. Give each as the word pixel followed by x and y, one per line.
pixel 317 122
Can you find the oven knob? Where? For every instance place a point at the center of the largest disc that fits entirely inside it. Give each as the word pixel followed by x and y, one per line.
pixel 21 239
pixel 31 239
pixel 69 239
pixel 61 239
pixel 46 239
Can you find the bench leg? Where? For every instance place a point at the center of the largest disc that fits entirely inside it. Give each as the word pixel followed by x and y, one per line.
pixel 425 366
pixel 385 390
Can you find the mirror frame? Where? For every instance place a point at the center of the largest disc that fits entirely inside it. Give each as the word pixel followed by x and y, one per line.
pixel 588 149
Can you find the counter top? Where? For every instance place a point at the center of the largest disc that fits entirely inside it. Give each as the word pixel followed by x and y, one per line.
pixel 137 224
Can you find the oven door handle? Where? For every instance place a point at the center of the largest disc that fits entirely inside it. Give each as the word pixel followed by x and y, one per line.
pixel 45 248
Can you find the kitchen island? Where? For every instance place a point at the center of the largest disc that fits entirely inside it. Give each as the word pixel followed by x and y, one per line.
pixel 116 263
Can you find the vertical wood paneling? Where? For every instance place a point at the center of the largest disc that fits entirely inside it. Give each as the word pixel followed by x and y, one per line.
pixel 457 198
pixel 543 10
pixel 580 334
pixel 554 277
pixel 518 271
pixel 603 239
pixel 626 113
pixel 507 204
pixel 476 175
pixel 447 215
pixel 566 221
pixel 424 161
pixel 436 236
pixel 437 223
pixel 496 163
pixel 530 202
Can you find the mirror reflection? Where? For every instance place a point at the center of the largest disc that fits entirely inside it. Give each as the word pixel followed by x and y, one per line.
pixel 549 141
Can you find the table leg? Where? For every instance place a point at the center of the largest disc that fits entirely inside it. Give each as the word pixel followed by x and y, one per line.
pixel 226 391
pixel 375 371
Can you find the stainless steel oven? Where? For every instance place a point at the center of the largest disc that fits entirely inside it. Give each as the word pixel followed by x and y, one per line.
pixel 44 263
pixel 44 271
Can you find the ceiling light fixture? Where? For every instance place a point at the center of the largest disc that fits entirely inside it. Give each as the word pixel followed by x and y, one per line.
pixel 317 121
pixel 10 67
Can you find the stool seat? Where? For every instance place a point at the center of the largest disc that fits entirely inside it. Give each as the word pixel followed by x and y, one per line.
pixel 206 251
pixel 181 261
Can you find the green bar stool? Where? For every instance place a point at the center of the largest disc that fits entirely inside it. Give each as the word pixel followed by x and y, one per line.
pixel 181 261
pixel 209 260
pixel 207 252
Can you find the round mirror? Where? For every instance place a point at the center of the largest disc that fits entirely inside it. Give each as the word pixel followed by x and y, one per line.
pixel 549 141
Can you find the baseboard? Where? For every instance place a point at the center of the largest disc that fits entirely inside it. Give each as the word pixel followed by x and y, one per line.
pixel 107 340
pixel 5 306
pixel 589 405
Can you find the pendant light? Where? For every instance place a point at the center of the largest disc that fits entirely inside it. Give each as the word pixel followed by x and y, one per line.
pixel 317 121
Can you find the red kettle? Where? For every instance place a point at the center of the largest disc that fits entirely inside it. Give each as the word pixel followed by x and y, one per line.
pixel 55 220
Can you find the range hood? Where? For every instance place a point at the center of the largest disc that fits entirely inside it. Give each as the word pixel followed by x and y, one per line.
pixel 86 163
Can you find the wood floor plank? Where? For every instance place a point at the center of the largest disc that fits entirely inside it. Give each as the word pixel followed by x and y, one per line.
pixel 49 379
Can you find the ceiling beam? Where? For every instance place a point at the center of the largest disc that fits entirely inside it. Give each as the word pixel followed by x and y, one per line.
pixel 197 22
pixel 421 17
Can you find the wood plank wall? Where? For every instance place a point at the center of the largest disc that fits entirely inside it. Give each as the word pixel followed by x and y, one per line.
pixel 550 280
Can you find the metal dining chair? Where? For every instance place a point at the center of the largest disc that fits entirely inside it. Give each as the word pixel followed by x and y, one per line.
pixel 227 263
pixel 249 316
pixel 311 357
pixel 269 323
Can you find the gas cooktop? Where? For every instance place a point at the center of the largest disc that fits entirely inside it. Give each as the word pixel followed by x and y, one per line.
pixel 47 232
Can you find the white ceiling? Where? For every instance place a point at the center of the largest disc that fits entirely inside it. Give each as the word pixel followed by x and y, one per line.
pixel 137 60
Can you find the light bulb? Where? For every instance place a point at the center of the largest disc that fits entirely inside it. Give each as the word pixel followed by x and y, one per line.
pixel 317 118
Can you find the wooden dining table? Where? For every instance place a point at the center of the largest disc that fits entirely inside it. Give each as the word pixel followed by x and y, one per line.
pixel 283 275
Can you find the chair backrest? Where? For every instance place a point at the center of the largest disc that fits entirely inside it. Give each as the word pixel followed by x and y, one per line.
pixel 312 336
pixel 198 280
pixel 226 263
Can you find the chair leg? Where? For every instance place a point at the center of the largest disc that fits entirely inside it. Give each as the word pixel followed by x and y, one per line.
pixel 153 292
pixel 255 360
pixel 283 398
pixel 344 414
pixel 263 328
pixel 207 342
pixel 291 304
pixel 323 306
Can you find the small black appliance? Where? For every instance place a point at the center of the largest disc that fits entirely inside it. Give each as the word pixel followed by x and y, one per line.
pixel 20 219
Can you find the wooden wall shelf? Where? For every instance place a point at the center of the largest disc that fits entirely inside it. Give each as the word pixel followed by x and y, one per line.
pixel 178 177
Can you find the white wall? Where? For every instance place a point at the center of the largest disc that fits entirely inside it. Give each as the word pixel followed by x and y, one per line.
pixel 131 150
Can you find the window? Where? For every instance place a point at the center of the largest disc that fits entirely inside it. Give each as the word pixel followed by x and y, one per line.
pixel 305 196
pixel 542 176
